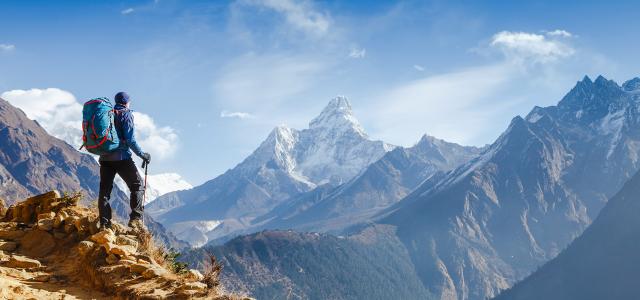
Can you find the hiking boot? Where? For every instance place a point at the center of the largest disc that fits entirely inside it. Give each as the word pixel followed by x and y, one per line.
pixel 104 226
pixel 136 225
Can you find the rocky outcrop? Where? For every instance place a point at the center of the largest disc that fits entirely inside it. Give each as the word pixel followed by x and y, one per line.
pixel 51 240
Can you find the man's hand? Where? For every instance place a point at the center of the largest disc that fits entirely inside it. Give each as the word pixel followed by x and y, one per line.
pixel 146 159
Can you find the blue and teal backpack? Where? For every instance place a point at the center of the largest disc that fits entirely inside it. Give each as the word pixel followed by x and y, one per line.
pixel 99 134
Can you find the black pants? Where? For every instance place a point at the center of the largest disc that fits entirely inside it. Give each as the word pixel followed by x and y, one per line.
pixel 129 173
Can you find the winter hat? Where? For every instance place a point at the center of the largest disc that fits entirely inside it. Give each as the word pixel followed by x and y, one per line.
pixel 122 98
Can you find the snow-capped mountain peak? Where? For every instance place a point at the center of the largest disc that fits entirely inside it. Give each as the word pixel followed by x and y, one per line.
pixel 337 115
pixel 632 85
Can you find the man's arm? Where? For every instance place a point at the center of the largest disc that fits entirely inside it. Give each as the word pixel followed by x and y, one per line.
pixel 129 134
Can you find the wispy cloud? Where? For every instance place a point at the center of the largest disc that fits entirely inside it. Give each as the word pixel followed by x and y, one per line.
pixel 537 48
pixel 466 104
pixel 301 15
pixel 357 53
pixel 127 11
pixel 60 114
pixel 253 79
pixel 236 114
pixel 7 47
pixel 448 105
pixel 559 32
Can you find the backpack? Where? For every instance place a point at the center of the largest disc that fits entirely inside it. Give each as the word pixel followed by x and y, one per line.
pixel 98 130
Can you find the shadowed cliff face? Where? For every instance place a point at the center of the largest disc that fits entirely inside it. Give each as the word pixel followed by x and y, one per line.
pixel 600 264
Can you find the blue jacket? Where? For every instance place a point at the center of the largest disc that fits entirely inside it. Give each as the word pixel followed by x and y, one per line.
pixel 125 128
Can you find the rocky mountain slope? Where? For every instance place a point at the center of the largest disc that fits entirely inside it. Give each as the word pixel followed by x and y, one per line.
pixel 331 151
pixel 51 247
pixel 497 218
pixel 33 162
pixel 292 265
pixel 600 264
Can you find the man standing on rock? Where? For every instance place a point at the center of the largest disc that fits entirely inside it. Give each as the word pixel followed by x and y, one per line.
pixel 120 162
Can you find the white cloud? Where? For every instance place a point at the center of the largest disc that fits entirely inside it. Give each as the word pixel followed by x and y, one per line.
pixel 559 32
pixel 60 114
pixel 7 47
pixel 300 14
pixel 357 53
pixel 161 141
pixel 56 110
pixel 236 114
pixel 127 11
pixel 530 47
pixel 418 68
pixel 158 185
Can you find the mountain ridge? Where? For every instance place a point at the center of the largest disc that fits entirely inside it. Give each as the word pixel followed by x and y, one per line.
pixel 288 162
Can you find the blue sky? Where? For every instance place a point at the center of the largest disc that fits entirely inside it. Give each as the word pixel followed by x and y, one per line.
pixel 212 78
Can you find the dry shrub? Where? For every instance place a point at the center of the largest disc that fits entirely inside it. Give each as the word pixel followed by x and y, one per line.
pixel 71 198
pixel 212 270
pixel 168 258
pixel 149 247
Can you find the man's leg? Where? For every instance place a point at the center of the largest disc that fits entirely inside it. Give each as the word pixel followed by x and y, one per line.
pixel 129 173
pixel 107 174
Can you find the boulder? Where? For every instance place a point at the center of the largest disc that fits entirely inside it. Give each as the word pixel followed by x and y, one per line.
pixel 126 261
pixel 45 224
pixel 58 220
pixel 139 268
pixel 4 257
pixel 104 237
pixel 111 259
pixel 128 240
pixel 85 247
pixel 17 261
pixel 8 246
pixel 12 234
pixel 143 258
pixel 194 275
pixel 69 227
pixel 153 272
pixel 194 286
pixel 37 243
pixel 41 278
pixel 47 215
pixel 82 224
pixel 122 250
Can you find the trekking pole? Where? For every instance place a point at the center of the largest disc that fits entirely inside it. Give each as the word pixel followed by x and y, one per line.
pixel 144 197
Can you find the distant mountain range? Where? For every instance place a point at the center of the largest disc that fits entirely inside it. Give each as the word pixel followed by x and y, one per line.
pixel 33 162
pixel 477 229
pixel 600 264
pixel 324 178
pixel 497 218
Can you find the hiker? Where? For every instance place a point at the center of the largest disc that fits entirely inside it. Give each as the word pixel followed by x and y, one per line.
pixel 119 162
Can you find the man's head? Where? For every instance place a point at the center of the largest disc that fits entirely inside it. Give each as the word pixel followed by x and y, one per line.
pixel 122 98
